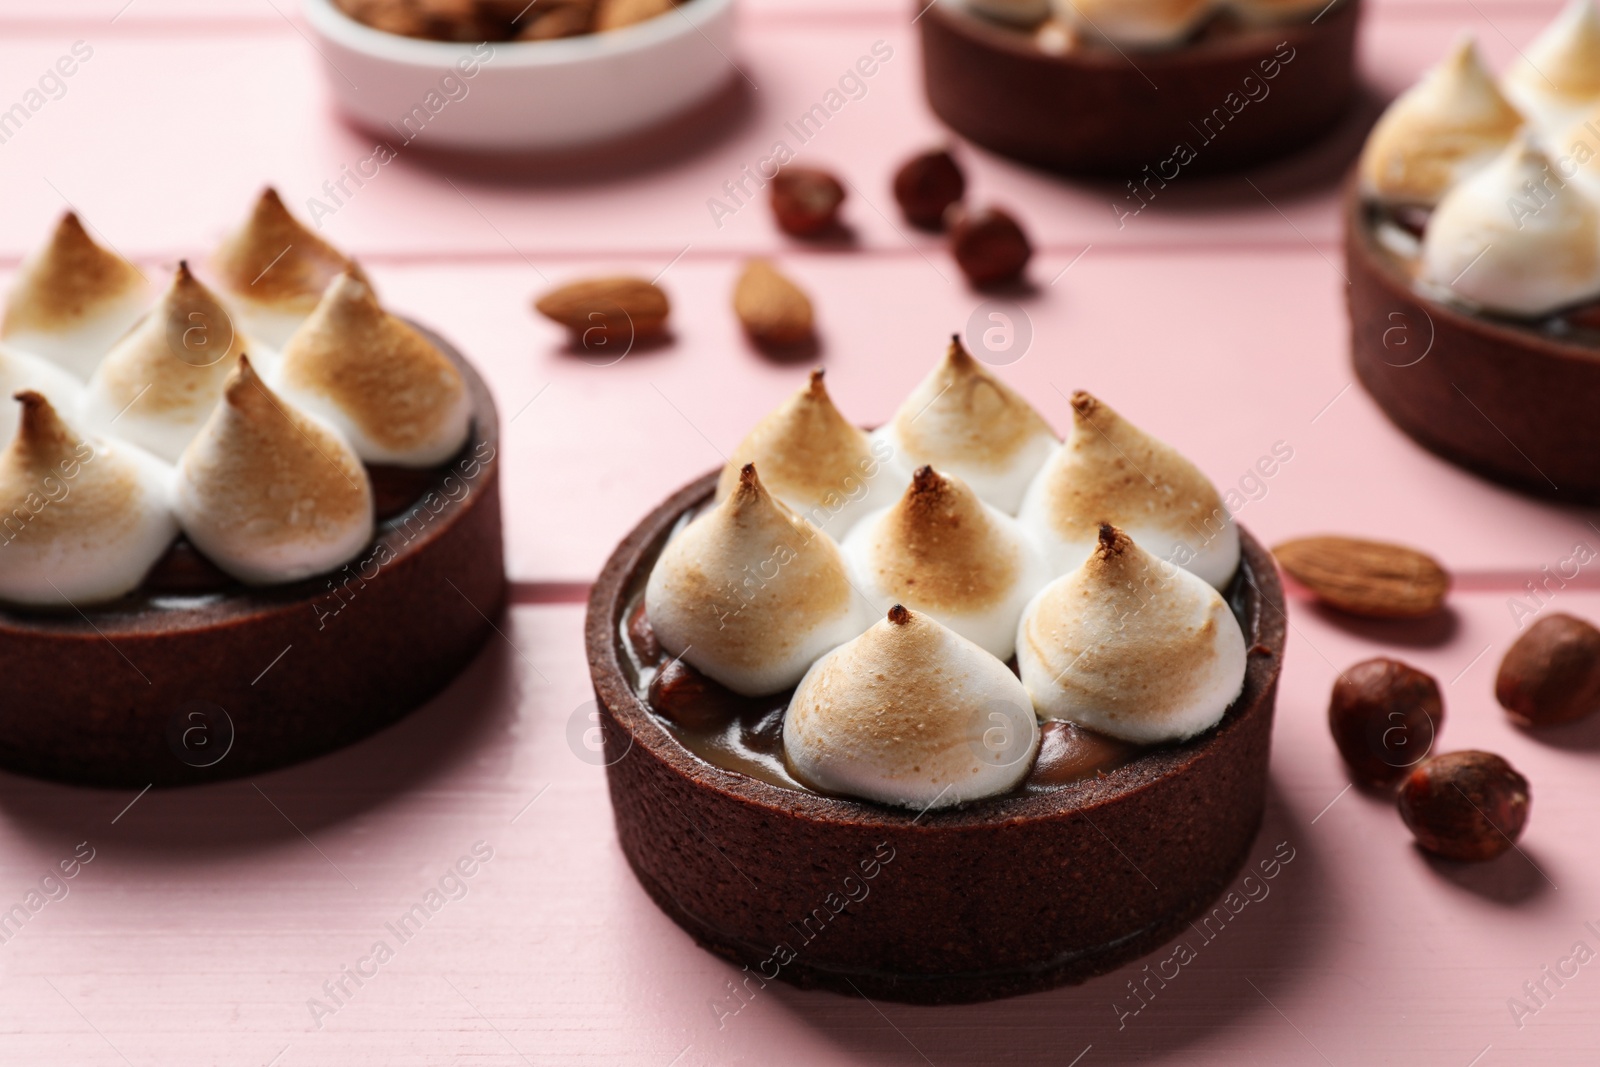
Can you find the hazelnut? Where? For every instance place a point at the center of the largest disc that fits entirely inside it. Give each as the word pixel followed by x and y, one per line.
pixel 1552 674
pixel 806 201
pixel 1465 805
pixel 685 696
pixel 926 186
pixel 1384 716
pixel 989 246
pixel 643 636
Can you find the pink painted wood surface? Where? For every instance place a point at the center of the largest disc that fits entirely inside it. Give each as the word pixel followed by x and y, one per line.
pixel 1174 317
pixel 1173 339
pixel 160 12
pixel 170 109
pixel 209 917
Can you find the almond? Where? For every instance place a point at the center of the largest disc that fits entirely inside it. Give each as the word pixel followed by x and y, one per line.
pixel 553 19
pixel 607 310
pixel 773 310
pixel 1369 578
pixel 615 14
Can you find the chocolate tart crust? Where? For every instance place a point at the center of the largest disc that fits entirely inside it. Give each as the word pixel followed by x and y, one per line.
pixel 1095 111
pixel 999 897
pixel 171 690
pixel 1503 401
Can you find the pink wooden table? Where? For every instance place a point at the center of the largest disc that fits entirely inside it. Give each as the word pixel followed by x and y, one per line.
pixel 205 925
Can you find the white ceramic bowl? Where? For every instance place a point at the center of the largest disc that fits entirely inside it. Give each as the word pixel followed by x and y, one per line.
pixel 524 95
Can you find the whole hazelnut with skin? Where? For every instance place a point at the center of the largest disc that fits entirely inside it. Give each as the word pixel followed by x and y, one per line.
pixel 805 201
pixel 989 246
pixel 1384 716
pixel 682 694
pixel 1465 805
pixel 926 186
pixel 1552 674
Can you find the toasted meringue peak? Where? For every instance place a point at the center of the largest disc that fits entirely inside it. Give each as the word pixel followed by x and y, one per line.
pixel 1136 23
pixel 160 382
pixel 815 461
pixel 1557 77
pixel 73 299
pixel 1581 145
pixel 84 519
pixel 910 714
pixel 269 493
pixel 1450 124
pixel 392 392
pixel 19 371
pixel 275 270
pixel 942 551
pixel 750 593
pixel 1109 470
pixel 1515 238
pixel 963 420
pixel 1131 646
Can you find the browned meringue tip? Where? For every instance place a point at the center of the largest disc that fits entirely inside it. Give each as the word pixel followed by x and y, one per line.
pixel 274 256
pixel 242 381
pixel 350 290
pixel 189 287
pixel 750 492
pixel 1112 542
pixel 270 211
pixel 37 412
pixel 354 273
pixel 1084 404
pixel 928 494
pixel 957 355
pixel 1465 54
pixel 72 238
pixel 899 615
pixel 78 264
pixel 816 397
pixel 40 422
pixel 70 229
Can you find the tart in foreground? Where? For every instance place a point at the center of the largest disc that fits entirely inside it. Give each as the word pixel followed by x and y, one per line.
pixel 1042 758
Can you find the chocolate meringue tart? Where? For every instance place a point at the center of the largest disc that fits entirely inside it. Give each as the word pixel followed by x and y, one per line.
pixel 874 802
pixel 217 557
pixel 1110 87
pixel 1472 238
